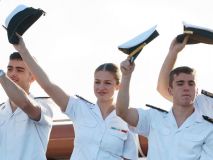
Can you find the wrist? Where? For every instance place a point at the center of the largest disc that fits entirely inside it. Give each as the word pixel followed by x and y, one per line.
pixel 1 73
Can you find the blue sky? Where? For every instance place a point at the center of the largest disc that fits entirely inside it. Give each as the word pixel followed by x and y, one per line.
pixel 76 36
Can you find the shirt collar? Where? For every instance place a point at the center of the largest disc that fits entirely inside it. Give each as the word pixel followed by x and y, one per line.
pixel 194 118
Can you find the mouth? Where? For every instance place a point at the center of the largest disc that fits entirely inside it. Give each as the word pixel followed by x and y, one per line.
pixel 101 93
pixel 186 95
pixel 14 80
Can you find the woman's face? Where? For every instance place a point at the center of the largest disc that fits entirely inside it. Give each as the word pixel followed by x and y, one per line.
pixel 104 85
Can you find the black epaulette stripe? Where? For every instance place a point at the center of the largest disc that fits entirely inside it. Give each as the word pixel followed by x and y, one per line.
pixel 41 97
pixel 84 99
pixel 159 109
pixel 2 106
pixel 208 119
pixel 207 93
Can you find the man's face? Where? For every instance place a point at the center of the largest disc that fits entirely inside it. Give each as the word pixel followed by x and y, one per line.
pixel 183 89
pixel 18 72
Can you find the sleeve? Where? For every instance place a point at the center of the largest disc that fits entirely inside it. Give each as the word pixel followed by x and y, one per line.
pixel 72 107
pixel 46 111
pixel 144 121
pixel 44 125
pixel 130 147
pixel 207 149
pixel 204 104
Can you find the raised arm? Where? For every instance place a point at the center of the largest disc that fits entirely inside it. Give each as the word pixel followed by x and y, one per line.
pixel 168 65
pixel 18 96
pixel 54 91
pixel 130 115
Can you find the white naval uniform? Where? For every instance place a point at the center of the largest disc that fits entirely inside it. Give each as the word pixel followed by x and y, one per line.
pixel 96 138
pixel 204 104
pixel 193 140
pixel 22 138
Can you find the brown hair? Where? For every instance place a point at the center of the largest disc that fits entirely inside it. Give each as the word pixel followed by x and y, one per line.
pixel 178 70
pixel 15 56
pixel 112 68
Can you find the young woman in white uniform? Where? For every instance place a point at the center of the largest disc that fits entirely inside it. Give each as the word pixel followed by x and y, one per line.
pixel 99 133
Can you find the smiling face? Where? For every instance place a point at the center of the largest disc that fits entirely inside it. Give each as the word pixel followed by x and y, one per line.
pixel 19 73
pixel 183 89
pixel 104 85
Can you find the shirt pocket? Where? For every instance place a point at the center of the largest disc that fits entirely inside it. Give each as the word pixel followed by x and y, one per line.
pixel 21 117
pixel 160 130
pixel 2 121
pixel 159 136
pixel 192 143
pixel 22 125
pixel 113 141
pixel 194 137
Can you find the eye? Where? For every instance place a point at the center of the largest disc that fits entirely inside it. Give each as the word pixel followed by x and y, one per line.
pixel 179 83
pixel 191 83
pixel 9 69
pixel 97 82
pixel 20 70
pixel 108 82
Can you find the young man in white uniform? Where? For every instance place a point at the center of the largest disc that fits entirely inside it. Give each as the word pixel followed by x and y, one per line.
pixel 203 103
pixel 182 133
pixel 25 122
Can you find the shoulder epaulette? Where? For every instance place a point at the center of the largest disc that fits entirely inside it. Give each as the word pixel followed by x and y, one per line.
pixel 2 106
pixel 84 99
pixel 207 93
pixel 41 97
pixel 208 119
pixel 159 109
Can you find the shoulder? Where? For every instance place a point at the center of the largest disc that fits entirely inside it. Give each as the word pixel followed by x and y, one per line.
pixel 206 93
pixel 210 120
pixel 157 108
pixel 45 103
pixel 84 100
pixel 42 98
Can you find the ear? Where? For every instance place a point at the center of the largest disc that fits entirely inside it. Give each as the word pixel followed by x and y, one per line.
pixel 196 92
pixel 170 91
pixel 117 87
pixel 32 79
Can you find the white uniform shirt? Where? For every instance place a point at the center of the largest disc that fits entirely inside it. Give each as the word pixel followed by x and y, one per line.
pixel 193 140
pixel 204 104
pixel 22 138
pixel 96 138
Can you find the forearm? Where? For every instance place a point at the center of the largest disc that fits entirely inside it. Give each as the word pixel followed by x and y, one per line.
pixel 54 91
pixel 13 91
pixel 163 79
pixel 40 76
pixel 122 103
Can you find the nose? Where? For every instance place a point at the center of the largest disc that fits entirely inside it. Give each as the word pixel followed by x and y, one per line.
pixel 101 86
pixel 186 87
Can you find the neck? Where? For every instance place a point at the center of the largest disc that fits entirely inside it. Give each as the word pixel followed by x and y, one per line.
pixel 181 113
pixel 106 107
pixel 13 106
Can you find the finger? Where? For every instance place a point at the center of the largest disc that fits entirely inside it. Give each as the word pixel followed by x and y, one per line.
pixel 18 35
pixel 186 38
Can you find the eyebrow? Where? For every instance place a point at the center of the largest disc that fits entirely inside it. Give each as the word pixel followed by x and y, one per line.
pixel 22 68
pixel 182 81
